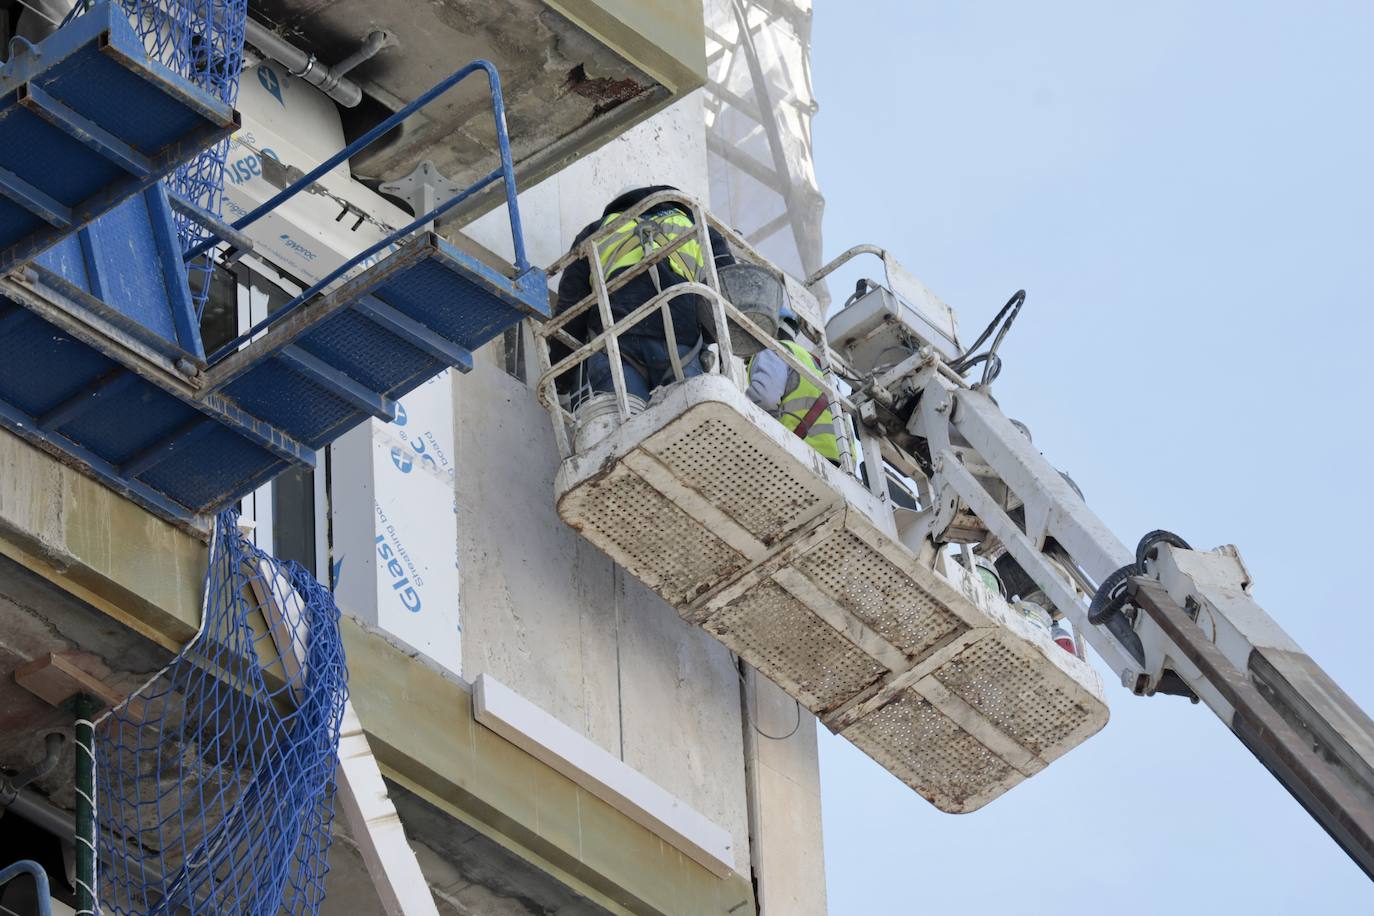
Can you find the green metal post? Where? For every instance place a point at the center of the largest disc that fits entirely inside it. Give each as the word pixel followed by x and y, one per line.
pixel 85 707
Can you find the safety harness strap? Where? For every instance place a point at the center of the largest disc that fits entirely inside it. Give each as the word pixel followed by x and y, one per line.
pixel 817 408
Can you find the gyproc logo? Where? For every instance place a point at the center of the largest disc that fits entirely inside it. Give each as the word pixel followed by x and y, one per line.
pixel 297 247
pixel 402 459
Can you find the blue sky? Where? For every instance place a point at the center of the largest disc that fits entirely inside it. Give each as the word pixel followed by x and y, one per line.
pixel 1184 191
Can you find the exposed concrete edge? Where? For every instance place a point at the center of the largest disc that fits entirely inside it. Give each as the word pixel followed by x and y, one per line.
pixel 665 40
pixel 475 775
pixel 149 575
pixel 504 840
pixel 105 549
pixel 62 575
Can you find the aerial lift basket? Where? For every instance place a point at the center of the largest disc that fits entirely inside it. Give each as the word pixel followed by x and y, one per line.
pixel 794 565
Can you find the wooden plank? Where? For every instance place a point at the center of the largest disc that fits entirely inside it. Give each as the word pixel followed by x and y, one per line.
pixel 55 678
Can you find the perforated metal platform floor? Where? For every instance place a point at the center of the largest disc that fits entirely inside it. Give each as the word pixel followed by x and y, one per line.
pixel 87 121
pixel 750 534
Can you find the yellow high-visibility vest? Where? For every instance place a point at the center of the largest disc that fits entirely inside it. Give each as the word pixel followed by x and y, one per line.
pixel 801 395
pixel 628 243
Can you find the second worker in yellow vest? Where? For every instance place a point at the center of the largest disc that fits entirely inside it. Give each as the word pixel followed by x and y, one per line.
pixel 793 397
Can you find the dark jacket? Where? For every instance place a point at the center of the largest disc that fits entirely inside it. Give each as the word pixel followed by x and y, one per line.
pixel 575 284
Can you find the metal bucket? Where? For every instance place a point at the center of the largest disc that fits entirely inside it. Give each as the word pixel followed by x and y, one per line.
pixel 597 417
pixel 755 292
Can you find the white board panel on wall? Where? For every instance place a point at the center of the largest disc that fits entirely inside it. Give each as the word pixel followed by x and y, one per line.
pixel 395 528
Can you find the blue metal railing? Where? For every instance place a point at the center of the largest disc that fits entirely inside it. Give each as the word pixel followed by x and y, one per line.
pixel 40 878
pixel 506 172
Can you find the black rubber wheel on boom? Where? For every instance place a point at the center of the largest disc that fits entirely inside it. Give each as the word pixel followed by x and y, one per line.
pixel 1111 594
pixel 1156 537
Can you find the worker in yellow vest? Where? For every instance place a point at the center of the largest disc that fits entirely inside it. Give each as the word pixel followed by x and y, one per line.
pixel 793 397
pixel 643 347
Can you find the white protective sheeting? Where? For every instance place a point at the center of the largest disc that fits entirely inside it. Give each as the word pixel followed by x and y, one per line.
pixel 759 107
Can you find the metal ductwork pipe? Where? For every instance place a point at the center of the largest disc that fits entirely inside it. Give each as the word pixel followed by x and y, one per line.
pixel 37 810
pixel 32 807
pixel 304 65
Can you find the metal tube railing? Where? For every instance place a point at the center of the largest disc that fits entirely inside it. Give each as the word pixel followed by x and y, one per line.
pixel 505 171
pixel 843 258
pixel 40 879
pixel 546 385
pixel 724 316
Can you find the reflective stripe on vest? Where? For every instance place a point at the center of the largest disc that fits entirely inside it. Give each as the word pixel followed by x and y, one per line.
pixel 802 393
pixel 625 246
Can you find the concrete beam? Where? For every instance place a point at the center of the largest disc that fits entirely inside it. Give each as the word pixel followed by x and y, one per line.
pixel 422 730
pixel 665 40
pixel 99 546
pixel 148 575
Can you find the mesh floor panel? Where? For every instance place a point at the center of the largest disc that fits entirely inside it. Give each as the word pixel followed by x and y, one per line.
pixel 829 607
pixel 779 635
pixel 1034 702
pixel 930 752
pixel 869 586
pixel 711 453
pixel 657 542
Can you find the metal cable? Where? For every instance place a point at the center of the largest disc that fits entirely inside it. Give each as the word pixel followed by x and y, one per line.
pixel 751 717
pixel 993 362
pixel 965 361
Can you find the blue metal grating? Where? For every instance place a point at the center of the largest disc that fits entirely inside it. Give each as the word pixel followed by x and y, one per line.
pixel 126 420
pixel 175 457
pixel 66 171
pixel 273 392
pixel 101 87
pixel 201 41
pixel 438 292
pixel 369 335
pixel 459 297
pixel 127 266
pixel 42 367
pixel 212 470
pixel 86 120
pixel 359 348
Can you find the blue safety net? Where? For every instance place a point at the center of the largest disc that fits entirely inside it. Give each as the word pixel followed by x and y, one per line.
pixel 215 781
pixel 202 42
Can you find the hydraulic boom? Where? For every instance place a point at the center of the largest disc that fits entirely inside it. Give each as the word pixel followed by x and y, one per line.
pixel 1166 618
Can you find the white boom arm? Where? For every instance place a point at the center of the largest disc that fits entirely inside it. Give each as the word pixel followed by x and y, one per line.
pixel 1166 618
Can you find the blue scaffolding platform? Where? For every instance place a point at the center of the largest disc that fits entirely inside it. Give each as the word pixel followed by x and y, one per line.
pixel 62 389
pixel 87 121
pixel 350 354
pixel 101 361
pixel 126 267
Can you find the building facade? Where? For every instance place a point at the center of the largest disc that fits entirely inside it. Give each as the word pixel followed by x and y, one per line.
pixel 437 530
